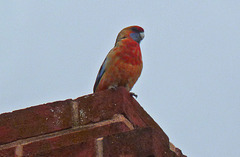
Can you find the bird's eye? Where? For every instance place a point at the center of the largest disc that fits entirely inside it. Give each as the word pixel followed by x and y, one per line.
pixel 135 29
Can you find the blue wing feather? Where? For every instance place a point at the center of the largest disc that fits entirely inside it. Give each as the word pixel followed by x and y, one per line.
pixel 100 74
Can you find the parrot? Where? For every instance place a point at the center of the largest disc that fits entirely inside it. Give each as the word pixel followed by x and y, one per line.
pixel 123 64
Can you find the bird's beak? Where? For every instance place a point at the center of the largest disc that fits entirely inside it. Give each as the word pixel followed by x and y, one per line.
pixel 142 35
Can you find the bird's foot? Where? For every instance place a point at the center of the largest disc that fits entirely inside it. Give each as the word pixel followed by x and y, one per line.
pixel 133 94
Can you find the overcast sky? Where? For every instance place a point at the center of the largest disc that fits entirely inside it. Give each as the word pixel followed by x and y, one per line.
pixel 190 83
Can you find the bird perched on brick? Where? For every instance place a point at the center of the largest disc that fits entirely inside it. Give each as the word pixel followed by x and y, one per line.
pixel 123 64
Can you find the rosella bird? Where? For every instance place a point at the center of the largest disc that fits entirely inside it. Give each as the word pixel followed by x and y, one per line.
pixel 123 64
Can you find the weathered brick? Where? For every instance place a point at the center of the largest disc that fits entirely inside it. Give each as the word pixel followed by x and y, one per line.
pixel 99 106
pixel 35 121
pixel 82 149
pixel 7 152
pixel 70 127
pixel 141 142
pixel 73 137
pixel 103 105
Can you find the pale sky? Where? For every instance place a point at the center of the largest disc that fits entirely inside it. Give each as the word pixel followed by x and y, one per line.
pixel 190 83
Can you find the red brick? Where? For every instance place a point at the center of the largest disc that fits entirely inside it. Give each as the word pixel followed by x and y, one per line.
pixel 141 142
pixel 88 121
pixel 100 106
pixel 103 105
pixel 35 121
pixel 83 149
pixel 178 153
pixel 74 137
pixel 7 152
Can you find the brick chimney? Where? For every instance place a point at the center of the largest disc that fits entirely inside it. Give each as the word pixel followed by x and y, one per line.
pixel 107 124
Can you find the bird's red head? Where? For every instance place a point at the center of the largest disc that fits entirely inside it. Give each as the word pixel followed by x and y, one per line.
pixel 133 32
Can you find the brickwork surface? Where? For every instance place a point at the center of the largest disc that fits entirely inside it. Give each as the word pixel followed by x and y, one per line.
pixel 106 124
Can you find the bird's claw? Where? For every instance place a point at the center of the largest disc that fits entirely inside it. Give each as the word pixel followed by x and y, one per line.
pixel 133 94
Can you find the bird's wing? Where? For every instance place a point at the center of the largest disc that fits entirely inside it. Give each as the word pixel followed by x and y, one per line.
pixel 100 73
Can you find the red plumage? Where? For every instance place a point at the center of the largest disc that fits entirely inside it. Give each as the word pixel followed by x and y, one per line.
pixel 123 64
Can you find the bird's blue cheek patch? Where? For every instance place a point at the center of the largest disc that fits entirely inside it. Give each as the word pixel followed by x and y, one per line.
pixel 136 37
